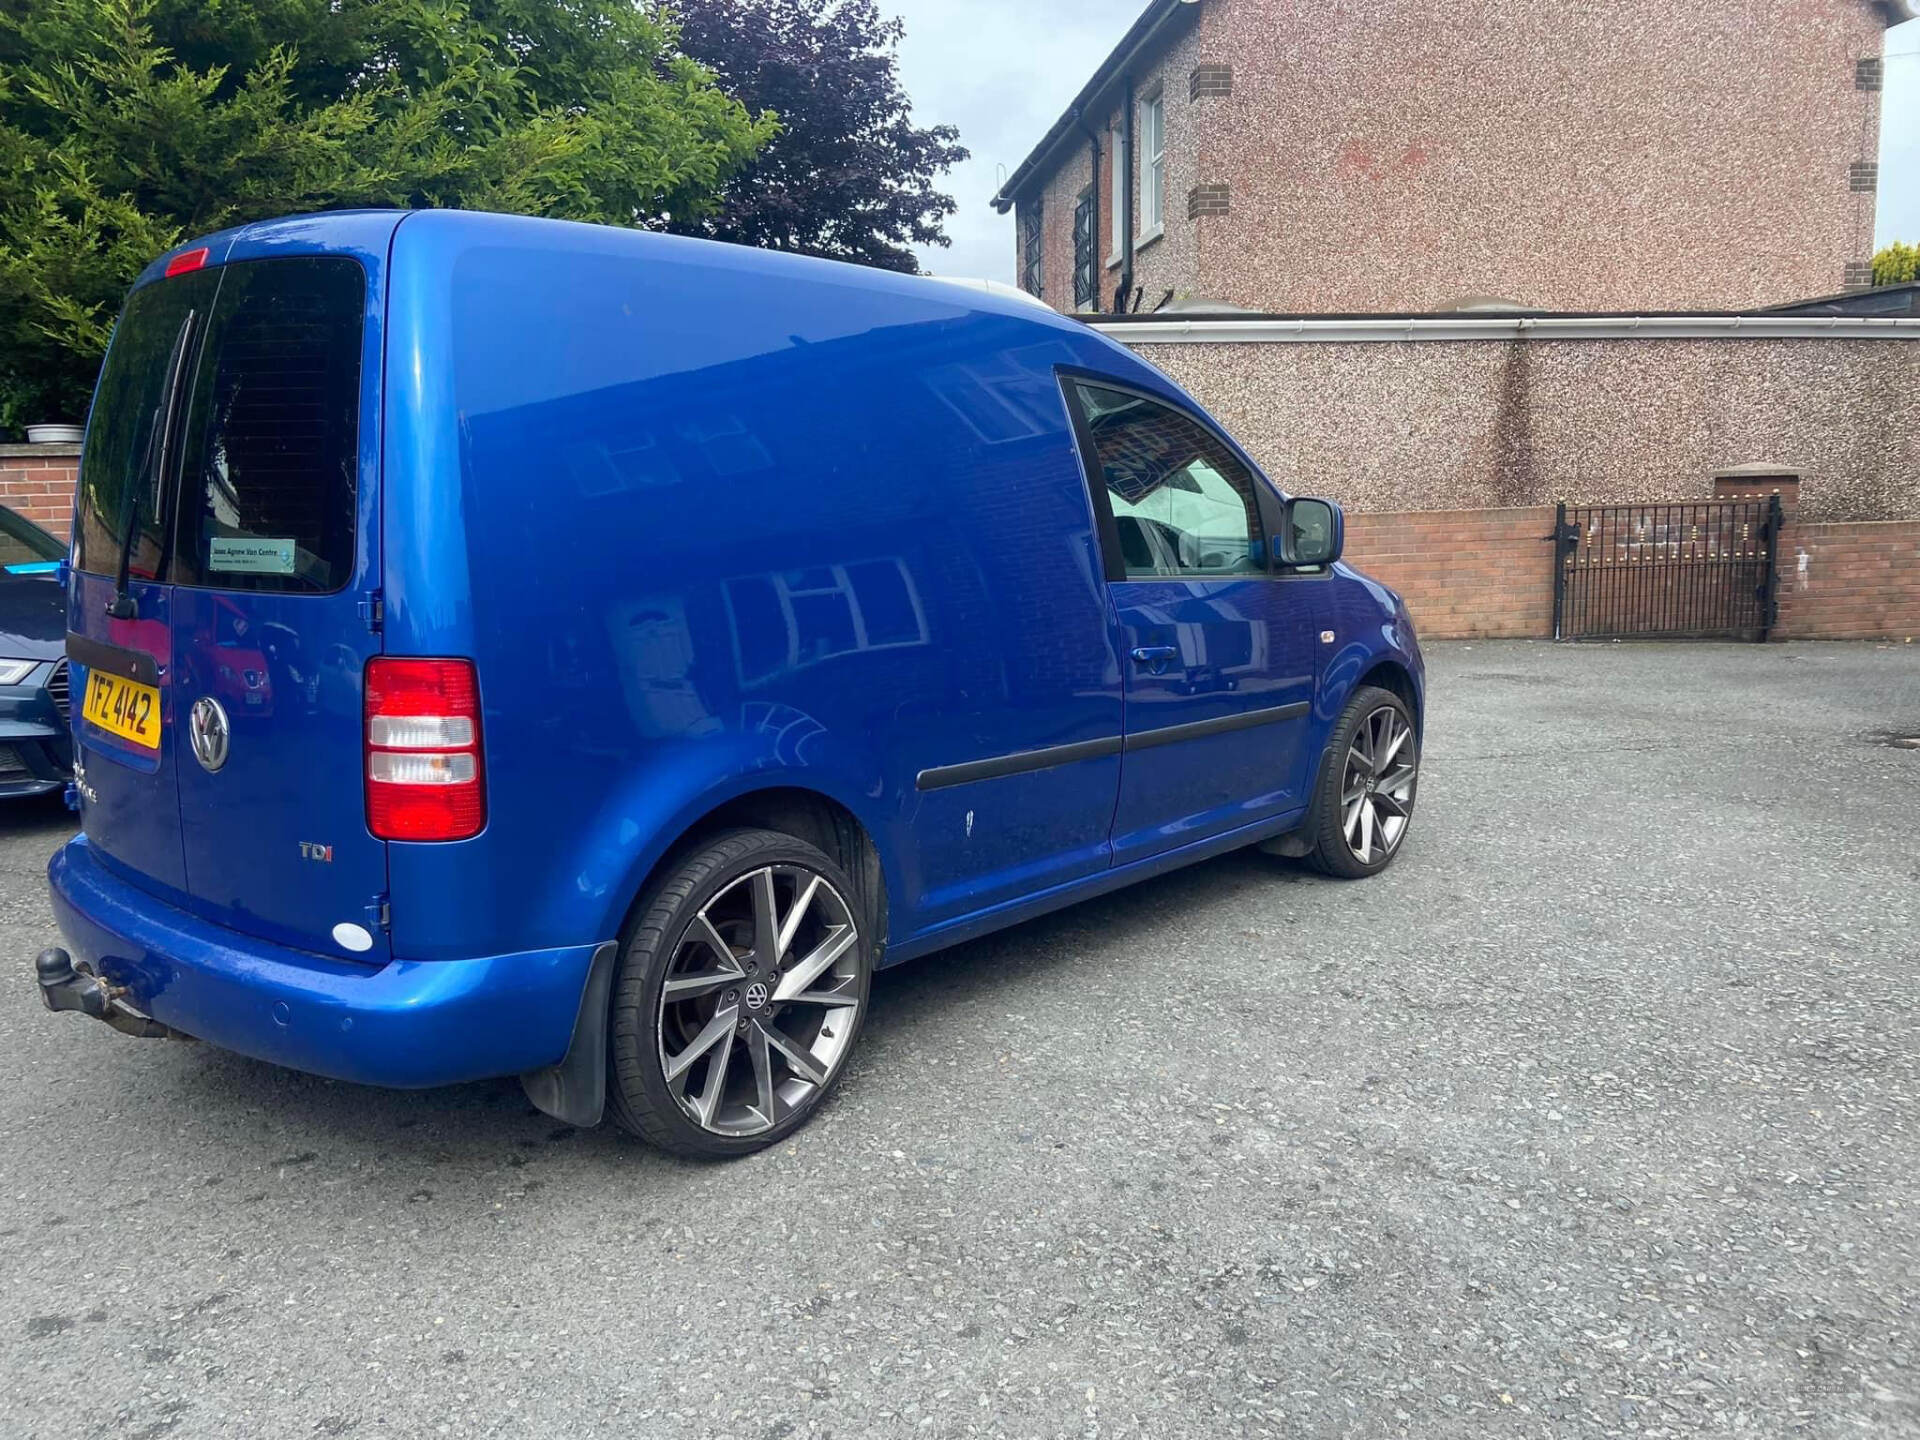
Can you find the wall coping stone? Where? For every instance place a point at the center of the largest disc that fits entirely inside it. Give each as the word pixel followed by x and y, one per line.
pixel 60 450
pixel 1346 329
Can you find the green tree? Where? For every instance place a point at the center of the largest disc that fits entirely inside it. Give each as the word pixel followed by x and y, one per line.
pixel 127 126
pixel 1897 264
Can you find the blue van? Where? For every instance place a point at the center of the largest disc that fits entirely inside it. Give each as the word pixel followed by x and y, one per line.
pixel 503 647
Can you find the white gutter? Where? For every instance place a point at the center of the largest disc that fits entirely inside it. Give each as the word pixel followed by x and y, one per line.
pixel 1523 327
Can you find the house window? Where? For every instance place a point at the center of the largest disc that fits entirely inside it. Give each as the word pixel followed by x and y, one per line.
pixel 1030 253
pixel 1153 165
pixel 1085 282
pixel 1117 151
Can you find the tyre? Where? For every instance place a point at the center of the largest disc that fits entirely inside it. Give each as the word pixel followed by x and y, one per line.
pixel 738 996
pixel 1367 787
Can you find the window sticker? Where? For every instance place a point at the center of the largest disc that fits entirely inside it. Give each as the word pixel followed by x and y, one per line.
pixel 250 555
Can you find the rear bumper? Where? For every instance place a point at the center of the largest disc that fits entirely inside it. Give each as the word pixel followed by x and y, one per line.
pixel 407 1024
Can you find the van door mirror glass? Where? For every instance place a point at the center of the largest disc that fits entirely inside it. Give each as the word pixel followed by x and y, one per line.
pixel 1314 534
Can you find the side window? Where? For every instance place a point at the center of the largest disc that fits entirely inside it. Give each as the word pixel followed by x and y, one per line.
pixel 1182 504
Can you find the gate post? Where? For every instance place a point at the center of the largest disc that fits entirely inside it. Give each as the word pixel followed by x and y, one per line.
pixel 1560 549
pixel 1770 577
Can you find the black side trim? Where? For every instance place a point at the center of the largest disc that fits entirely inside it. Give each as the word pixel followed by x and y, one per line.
pixel 941 777
pixel 113 659
pixel 575 1090
pixel 1246 720
pixel 1024 761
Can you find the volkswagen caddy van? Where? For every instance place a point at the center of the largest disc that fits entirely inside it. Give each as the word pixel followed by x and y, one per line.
pixel 502 647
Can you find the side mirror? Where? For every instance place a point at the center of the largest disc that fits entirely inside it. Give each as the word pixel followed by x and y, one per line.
pixel 1314 532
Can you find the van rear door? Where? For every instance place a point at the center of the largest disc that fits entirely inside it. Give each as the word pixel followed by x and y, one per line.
pixel 273 623
pixel 257 564
pixel 120 638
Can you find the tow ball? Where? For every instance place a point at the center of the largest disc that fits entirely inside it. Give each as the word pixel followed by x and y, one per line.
pixel 65 986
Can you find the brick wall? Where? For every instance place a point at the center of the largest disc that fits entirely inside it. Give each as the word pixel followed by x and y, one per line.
pixel 1850 582
pixel 1489 573
pixel 1463 572
pixel 37 481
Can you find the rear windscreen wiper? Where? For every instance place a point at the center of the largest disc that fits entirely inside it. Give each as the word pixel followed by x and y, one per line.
pixel 153 466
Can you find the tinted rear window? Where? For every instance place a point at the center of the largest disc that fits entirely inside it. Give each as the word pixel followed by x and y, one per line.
pixel 265 431
pixel 120 469
pixel 270 455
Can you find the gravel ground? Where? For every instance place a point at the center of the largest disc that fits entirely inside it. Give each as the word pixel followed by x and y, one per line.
pixel 1595 1115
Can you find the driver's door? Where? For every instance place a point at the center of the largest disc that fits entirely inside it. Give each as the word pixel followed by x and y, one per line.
pixel 1219 647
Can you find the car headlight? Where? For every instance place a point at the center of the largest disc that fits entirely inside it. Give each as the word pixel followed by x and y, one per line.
pixel 12 672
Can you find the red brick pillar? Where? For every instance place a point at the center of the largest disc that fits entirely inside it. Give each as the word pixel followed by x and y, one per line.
pixel 1756 482
pixel 37 481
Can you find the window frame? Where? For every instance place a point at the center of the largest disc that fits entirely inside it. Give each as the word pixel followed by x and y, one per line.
pixel 1033 251
pixel 1153 169
pixel 1269 502
pixel 180 529
pixel 176 398
pixel 1086 250
pixel 1117 190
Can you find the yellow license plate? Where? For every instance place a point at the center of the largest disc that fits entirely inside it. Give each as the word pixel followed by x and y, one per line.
pixel 124 707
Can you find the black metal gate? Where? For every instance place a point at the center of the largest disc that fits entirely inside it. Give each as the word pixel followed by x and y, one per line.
pixel 1689 570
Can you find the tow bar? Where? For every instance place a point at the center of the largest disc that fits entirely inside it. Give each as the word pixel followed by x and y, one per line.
pixel 65 986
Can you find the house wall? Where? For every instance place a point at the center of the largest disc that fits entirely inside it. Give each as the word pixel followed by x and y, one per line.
pixel 1643 154
pixel 1452 424
pixel 1171 261
pixel 1398 155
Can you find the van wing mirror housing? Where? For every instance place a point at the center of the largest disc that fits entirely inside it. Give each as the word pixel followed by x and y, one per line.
pixel 1313 533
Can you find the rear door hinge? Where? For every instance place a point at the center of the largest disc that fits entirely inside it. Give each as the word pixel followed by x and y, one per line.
pixel 380 912
pixel 373 610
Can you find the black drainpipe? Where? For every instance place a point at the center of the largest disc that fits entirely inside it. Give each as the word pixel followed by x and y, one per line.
pixel 1126 203
pixel 1093 139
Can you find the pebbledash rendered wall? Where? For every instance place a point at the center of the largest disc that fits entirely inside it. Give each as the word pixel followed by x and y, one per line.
pixel 1401 155
pixel 1449 441
pixel 1443 424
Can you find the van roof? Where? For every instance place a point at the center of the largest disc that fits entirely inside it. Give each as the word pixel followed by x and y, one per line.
pixel 349 230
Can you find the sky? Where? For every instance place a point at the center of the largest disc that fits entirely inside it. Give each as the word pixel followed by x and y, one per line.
pixel 1004 70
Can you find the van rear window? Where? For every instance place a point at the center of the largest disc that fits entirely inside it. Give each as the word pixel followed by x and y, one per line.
pixel 120 482
pixel 264 439
pixel 270 454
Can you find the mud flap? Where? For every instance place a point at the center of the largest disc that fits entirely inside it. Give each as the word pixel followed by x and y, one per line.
pixel 575 1090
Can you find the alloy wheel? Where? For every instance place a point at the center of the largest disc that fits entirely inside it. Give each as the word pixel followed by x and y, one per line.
pixel 1376 790
pixel 759 1002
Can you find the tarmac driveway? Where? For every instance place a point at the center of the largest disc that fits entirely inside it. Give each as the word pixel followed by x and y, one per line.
pixel 1595 1115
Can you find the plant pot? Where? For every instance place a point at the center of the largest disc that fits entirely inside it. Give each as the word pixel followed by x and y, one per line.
pixel 56 434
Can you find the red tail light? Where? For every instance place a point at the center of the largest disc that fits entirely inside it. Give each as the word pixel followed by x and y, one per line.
pixel 186 260
pixel 426 777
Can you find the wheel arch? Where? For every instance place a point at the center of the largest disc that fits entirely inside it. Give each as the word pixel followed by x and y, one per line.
pixel 1389 674
pixel 808 814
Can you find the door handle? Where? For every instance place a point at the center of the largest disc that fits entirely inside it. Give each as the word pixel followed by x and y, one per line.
pixel 1155 657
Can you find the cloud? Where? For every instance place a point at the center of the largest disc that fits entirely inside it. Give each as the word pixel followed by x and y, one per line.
pixel 1002 71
